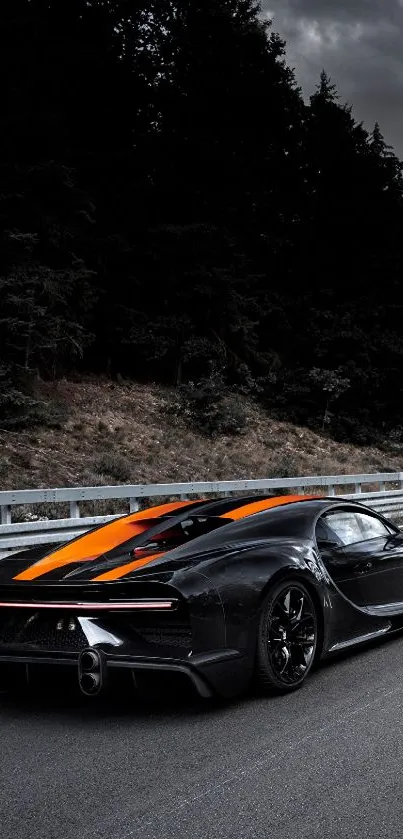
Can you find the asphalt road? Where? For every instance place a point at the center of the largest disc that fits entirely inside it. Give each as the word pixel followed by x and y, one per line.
pixel 324 762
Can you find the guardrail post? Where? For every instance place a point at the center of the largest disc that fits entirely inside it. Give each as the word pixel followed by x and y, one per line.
pixel 381 486
pixel 6 514
pixel 183 497
pixel 357 489
pixel 331 490
pixel 74 510
pixel 299 491
pixel 133 505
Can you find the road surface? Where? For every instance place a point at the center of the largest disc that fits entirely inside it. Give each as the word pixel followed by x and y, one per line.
pixel 324 762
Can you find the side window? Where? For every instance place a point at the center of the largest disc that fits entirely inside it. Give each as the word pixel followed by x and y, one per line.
pixel 371 527
pixel 351 527
pixel 325 535
pixel 344 525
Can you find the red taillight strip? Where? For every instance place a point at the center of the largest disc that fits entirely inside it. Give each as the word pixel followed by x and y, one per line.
pixel 95 607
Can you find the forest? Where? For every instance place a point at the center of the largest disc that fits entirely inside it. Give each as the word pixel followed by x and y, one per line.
pixel 174 210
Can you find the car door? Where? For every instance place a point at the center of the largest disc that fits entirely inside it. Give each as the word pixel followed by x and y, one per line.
pixel 364 556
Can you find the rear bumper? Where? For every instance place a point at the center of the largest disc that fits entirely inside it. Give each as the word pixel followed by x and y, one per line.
pixel 212 673
pixel 188 639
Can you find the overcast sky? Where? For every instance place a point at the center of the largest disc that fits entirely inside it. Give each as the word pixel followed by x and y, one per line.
pixel 359 43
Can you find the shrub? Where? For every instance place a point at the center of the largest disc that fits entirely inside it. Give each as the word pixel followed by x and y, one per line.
pixel 114 465
pixel 210 408
pixel 285 467
pixel 19 405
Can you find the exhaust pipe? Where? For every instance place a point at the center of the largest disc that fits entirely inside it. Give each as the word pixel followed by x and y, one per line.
pixel 90 684
pixel 89 661
pixel 91 672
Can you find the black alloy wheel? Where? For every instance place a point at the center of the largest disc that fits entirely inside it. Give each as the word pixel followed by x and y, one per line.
pixel 287 638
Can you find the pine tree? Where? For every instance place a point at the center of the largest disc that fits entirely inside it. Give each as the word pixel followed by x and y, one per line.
pixel 223 172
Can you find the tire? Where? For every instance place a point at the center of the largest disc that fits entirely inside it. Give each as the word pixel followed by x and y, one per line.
pixel 287 638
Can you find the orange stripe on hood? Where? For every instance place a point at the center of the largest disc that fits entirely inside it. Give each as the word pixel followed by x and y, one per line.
pixel 122 570
pixel 91 545
pixel 259 506
pixel 238 513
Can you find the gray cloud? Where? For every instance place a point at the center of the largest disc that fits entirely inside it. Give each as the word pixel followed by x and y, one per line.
pixel 358 44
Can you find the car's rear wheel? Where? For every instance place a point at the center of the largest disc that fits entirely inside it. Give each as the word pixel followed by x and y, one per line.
pixel 287 638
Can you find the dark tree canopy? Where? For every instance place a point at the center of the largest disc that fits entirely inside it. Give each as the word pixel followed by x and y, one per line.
pixel 172 209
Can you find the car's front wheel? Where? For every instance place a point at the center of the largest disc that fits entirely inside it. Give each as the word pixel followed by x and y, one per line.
pixel 287 637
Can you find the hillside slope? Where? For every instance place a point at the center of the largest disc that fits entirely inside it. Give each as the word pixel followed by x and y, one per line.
pixel 125 433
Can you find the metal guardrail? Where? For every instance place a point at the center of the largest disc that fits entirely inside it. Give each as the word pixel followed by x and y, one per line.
pixel 27 533
pixel 387 503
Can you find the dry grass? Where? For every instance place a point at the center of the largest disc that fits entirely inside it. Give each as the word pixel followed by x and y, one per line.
pixel 123 433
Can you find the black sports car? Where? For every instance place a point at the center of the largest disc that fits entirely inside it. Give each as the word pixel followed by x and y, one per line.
pixel 225 592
